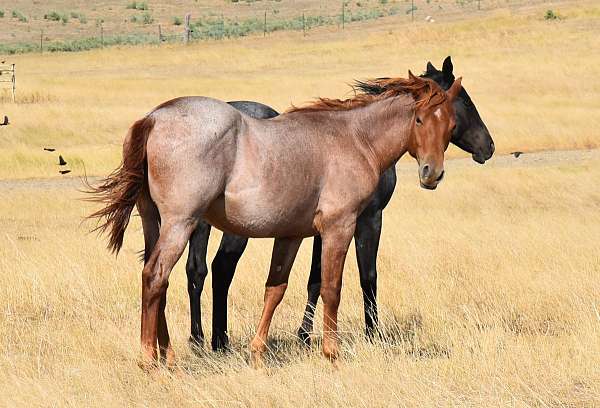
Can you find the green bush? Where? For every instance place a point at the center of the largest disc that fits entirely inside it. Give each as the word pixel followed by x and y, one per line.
pixel 55 16
pixel 19 16
pixel 550 15
pixel 147 18
pixel 1 13
pixel 135 5
pixel 177 21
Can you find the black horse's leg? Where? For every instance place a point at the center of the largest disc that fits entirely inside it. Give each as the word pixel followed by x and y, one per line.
pixel 223 268
pixel 314 289
pixel 197 270
pixel 366 239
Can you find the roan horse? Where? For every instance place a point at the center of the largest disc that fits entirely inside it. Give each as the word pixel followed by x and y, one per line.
pixel 309 171
pixel 470 134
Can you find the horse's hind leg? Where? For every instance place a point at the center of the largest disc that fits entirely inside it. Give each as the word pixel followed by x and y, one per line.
pixel 151 226
pixel 313 288
pixel 197 270
pixel 284 253
pixel 174 235
pixel 366 239
pixel 223 268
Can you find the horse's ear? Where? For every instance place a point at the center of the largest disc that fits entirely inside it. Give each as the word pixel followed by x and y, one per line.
pixel 447 68
pixel 430 68
pixel 410 75
pixel 454 89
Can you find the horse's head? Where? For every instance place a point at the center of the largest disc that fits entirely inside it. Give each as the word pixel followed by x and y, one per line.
pixel 433 125
pixel 470 133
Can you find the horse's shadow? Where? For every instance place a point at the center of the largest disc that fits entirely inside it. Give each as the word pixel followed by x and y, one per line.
pixel 397 335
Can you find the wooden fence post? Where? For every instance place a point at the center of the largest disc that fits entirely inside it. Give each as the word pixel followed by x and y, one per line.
pixel 303 24
pixel 188 30
pixel 159 35
pixel 14 84
pixel 265 25
pixel 41 41
pixel 343 15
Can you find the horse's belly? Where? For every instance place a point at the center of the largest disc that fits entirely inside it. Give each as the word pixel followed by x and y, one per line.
pixel 246 215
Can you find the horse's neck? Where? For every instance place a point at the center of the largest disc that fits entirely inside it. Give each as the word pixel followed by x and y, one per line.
pixel 385 127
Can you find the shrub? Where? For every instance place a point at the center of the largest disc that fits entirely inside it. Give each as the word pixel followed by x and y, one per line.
pixel 147 18
pixel 19 16
pixel 177 21
pixel 550 15
pixel 135 5
pixel 55 16
pixel 1 13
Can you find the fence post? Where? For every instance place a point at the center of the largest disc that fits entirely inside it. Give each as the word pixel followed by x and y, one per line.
pixel 222 35
pixel 343 15
pixel 265 25
pixel 478 4
pixel 41 41
pixel 412 10
pixel 101 35
pixel 303 24
pixel 14 84
pixel 186 36
pixel 159 35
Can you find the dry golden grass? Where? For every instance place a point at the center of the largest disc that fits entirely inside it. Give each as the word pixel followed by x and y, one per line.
pixel 488 286
pixel 488 295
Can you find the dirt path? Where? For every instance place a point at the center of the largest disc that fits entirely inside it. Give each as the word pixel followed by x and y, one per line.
pixel 406 166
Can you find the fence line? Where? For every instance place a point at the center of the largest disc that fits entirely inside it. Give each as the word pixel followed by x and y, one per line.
pixel 211 27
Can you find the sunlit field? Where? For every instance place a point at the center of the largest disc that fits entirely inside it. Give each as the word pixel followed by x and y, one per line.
pixel 488 287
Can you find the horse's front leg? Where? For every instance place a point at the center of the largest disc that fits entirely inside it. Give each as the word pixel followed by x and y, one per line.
pixel 284 253
pixel 366 240
pixel 196 271
pixel 336 236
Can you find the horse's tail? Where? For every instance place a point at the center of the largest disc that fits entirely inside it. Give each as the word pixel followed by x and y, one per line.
pixel 119 191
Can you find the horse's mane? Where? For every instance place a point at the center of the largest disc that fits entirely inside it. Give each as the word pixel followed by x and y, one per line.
pixel 423 90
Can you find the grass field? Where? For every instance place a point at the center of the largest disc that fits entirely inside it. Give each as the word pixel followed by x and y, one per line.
pixel 488 286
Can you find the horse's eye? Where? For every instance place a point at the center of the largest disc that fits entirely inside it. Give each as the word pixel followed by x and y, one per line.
pixel 419 122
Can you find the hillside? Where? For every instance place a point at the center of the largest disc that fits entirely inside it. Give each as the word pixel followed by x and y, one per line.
pixel 69 25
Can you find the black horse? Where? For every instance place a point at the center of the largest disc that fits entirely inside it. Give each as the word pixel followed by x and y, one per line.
pixel 470 135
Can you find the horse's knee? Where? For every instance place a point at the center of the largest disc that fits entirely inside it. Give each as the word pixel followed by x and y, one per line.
pixel 196 271
pixel 331 295
pixel 369 279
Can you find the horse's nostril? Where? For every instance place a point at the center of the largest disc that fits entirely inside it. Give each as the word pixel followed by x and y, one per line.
pixel 441 176
pixel 425 171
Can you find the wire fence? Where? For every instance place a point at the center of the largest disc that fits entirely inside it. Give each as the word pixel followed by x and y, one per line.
pixel 52 34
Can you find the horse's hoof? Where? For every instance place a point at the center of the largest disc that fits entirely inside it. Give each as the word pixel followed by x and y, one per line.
pixel 371 334
pixel 257 360
pixel 220 343
pixel 147 365
pixel 196 344
pixel 304 337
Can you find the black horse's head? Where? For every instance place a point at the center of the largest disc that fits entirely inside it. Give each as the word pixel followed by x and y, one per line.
pixel 470 133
